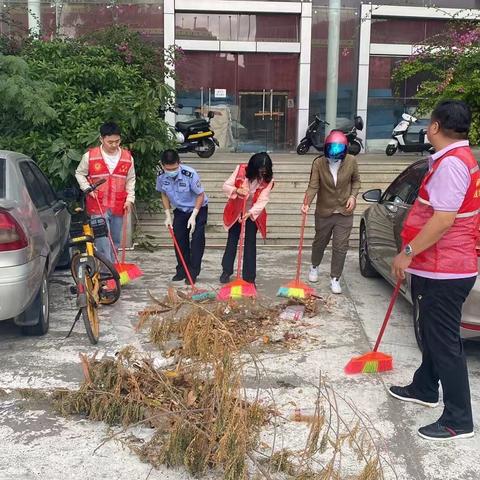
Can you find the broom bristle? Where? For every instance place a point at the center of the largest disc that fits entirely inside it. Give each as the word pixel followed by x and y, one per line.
pixel 199 296
pixel 236 290
pixel 371 362
pixel 295 289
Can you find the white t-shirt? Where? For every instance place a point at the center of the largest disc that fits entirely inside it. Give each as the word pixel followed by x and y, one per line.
pixel 334 166
pixel 111 160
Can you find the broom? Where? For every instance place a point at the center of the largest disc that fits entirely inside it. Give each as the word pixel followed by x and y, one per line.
pixel 239 288
pixel 375 361
pixel 197 295
pixel 296 288
pixel 127 271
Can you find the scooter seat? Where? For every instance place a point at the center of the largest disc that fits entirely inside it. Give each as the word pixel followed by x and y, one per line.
pixel 197 123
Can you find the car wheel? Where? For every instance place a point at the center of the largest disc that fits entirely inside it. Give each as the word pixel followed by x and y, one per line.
pixel 38 313
pixel 416 324
pixel 366 268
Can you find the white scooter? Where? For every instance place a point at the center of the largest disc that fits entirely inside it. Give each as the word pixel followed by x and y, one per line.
pixel 408 142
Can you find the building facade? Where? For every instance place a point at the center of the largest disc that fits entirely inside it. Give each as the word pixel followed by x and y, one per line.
pixel 262 65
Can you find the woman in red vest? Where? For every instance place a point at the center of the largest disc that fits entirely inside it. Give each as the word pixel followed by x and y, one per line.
pixel 255 182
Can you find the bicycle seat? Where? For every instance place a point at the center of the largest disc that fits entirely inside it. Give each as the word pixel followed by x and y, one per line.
pixel 78 210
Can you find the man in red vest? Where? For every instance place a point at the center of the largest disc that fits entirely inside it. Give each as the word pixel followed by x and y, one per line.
pixel 439 252
pixel 116 196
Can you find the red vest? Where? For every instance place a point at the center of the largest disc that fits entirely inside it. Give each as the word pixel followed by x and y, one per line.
pixel 455 252
pixel 111 194
pixel 233 208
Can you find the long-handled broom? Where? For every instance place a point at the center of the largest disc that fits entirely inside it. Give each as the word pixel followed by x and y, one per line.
pixel 197 294
pixel 296 288
pixel 239 288
pixel 375 361
pixel 127 271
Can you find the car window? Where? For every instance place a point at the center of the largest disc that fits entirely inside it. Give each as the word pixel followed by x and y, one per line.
pixel 2 178
pixel 44 184
pixel 404 188
pixel 33 187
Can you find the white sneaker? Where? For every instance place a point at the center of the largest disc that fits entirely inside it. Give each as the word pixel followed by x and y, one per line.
pixel 313 274
pixel 335 285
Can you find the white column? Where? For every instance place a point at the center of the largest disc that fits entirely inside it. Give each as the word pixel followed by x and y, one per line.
pixel 334 12
pixel 303 99
pixel 169 41
pixel 33 7
pixel 364 68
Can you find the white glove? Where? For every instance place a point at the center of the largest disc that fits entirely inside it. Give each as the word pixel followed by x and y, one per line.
pixel 192 220
pixel 305 208
pixel 168 218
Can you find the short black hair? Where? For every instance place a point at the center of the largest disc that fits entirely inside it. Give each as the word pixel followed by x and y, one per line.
pixel 109 128
pixel 170 157
pixel 257 162
pixel 454 118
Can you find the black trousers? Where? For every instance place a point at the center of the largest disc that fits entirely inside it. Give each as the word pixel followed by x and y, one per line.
pixel 440 312
pixel 193 249
pixel 249 272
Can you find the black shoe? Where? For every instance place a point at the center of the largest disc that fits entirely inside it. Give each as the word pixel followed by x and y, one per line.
pixel 439 433
pixel 402 393
pixel 178 277
pixel 224 277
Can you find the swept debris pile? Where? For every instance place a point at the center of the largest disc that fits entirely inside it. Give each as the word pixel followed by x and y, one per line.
pixel 198 407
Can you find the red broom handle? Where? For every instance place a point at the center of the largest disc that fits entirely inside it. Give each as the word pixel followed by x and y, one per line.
pixel 300 245
pixel 182 259
pixel 124 235
pixel 108 230
pixel 242 238
pixel 387 315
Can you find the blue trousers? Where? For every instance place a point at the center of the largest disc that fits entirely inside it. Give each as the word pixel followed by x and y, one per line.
pixel 115 224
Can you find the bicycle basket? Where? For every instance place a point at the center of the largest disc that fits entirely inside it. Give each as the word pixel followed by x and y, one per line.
pixel 99 226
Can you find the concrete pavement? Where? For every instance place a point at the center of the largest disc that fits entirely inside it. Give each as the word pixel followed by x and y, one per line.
pixel 38 444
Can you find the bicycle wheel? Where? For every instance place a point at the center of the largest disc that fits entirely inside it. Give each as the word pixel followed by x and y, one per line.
pixel 109 277
pixel 90 312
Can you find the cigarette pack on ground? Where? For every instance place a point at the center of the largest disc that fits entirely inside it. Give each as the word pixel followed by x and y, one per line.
pixel 293 312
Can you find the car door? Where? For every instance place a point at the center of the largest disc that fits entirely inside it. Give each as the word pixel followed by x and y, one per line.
pixel 58 210
pixel 44 208
pixel 390 213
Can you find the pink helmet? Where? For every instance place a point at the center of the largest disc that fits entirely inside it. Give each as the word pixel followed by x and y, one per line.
pixel 336 145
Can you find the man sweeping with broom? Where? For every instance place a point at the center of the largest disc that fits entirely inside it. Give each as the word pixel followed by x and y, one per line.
pixel 335 182
pixel 439 251
pixel 114 198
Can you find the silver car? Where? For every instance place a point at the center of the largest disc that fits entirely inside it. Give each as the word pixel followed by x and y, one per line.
pixel 34 226
pixel 380 241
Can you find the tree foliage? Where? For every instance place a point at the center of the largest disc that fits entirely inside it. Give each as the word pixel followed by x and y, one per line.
pixel 54 95
pixel 451 63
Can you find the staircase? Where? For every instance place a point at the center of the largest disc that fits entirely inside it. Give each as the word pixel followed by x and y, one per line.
pixel 291 173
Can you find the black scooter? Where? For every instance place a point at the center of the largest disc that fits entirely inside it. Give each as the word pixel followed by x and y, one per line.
pixel 195 135
pixel 315 136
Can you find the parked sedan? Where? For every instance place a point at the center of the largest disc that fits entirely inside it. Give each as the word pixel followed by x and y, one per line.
pixel 380 241
pixel 34 226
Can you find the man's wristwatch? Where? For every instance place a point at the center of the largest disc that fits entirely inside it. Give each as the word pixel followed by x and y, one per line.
pixel 408 250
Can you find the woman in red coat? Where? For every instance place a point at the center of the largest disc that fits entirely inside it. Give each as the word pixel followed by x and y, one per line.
pixel 254 181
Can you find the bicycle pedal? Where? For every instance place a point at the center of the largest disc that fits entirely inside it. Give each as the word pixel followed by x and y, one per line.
pixel 73 289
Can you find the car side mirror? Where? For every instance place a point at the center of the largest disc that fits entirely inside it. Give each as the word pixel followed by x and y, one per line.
pixel 372 196
pixel 210 114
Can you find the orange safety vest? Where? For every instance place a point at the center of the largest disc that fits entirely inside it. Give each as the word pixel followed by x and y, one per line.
pixel 111 194
pixel 455 252
pixel 233 208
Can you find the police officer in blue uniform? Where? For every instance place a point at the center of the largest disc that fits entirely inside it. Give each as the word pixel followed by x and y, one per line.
pixel 181 187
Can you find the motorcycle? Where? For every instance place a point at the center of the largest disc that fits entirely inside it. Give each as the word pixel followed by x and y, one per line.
pixel 408 142
pixel 195 135
pixel 315 136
